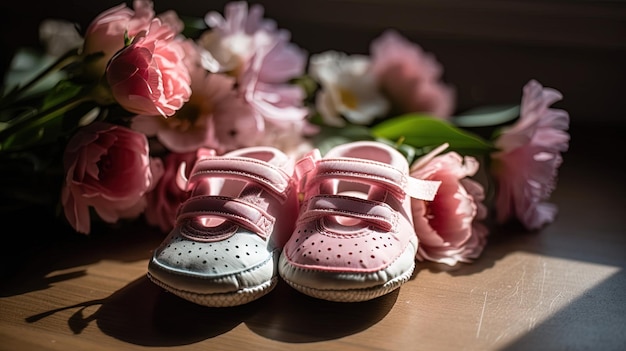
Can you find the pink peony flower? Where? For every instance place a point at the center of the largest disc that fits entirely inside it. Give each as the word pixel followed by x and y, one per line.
pixel 410 78
pixel 107 168
pixel 150 76
pixel 105 33
pixel 449 228
pixel 525 167
pixel 170 18
pixel 215 116
pixel 235 37
pixel 235 124
pixel 164 200
pixel 280 104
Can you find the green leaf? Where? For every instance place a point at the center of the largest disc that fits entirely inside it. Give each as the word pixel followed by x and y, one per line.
pixel 193 26
pixel 40 125
pixel 27 64
pixel 422 131
pixel 26 137
pixel 307 83
pixel 487 116
pixel 410 153
pixel 329 137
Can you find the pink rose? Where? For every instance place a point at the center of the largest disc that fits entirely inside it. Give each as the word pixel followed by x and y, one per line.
pixel 107 168
pixel 149 76
pixel 410 78
pixel 525 168
pixel 449 228
pixel 164 200
pixel 105 33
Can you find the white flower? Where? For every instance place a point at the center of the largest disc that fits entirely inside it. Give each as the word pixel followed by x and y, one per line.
pixel 348 88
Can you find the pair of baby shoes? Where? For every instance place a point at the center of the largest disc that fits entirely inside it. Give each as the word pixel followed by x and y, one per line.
pixel 337 227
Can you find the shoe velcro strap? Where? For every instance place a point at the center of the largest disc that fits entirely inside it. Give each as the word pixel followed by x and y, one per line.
pixel 243 168
pixel 376 213
pixel 374 173
pixel 234 210
pixel 305 165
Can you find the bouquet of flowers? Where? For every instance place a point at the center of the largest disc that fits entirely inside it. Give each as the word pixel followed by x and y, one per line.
pixel 101 129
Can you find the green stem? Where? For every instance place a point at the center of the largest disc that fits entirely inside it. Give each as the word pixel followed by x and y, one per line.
pixel 40 118
pixel 60 63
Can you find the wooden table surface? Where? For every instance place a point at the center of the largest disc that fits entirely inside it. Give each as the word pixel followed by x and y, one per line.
pixel 563 288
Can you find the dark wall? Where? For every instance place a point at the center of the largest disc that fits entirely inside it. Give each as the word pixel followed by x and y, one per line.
pixel 489 48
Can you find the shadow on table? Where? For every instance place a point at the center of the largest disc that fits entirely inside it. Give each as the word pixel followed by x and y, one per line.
pixel 290 316
pixel 144 314
pixel 589 229
pixel 42 249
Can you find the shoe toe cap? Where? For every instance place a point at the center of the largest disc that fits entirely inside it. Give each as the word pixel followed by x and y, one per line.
pixel 243 260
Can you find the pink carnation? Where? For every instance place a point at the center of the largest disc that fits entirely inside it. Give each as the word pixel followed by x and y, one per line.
pixel 107 168
pixel 261 58
pixel 150 76
pixel 449 228
pixel 410 78
pixel 526 166
pixel 215 116
pixel 234 39
pixel 235 124
pixel 105 33
pixel 164 200
pixel 280 104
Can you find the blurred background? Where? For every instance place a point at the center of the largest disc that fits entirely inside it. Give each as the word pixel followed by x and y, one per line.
pixel 488 48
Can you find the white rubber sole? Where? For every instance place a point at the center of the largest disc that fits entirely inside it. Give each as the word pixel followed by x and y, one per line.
pixel 235 298
pixel 353 295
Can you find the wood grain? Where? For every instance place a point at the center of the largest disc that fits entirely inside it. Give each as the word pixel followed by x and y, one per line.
pixel 563 288
pixel 559 289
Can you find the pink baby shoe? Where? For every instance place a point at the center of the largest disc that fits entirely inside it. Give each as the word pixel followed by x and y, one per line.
pixel 354 238
pixel 225 246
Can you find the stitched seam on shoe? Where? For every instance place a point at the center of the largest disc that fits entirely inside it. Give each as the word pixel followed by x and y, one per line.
pixel 401 183
pixel 399 189
pixel 352 235
pixel 265 221
pixel 394 214
pixel 263 181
